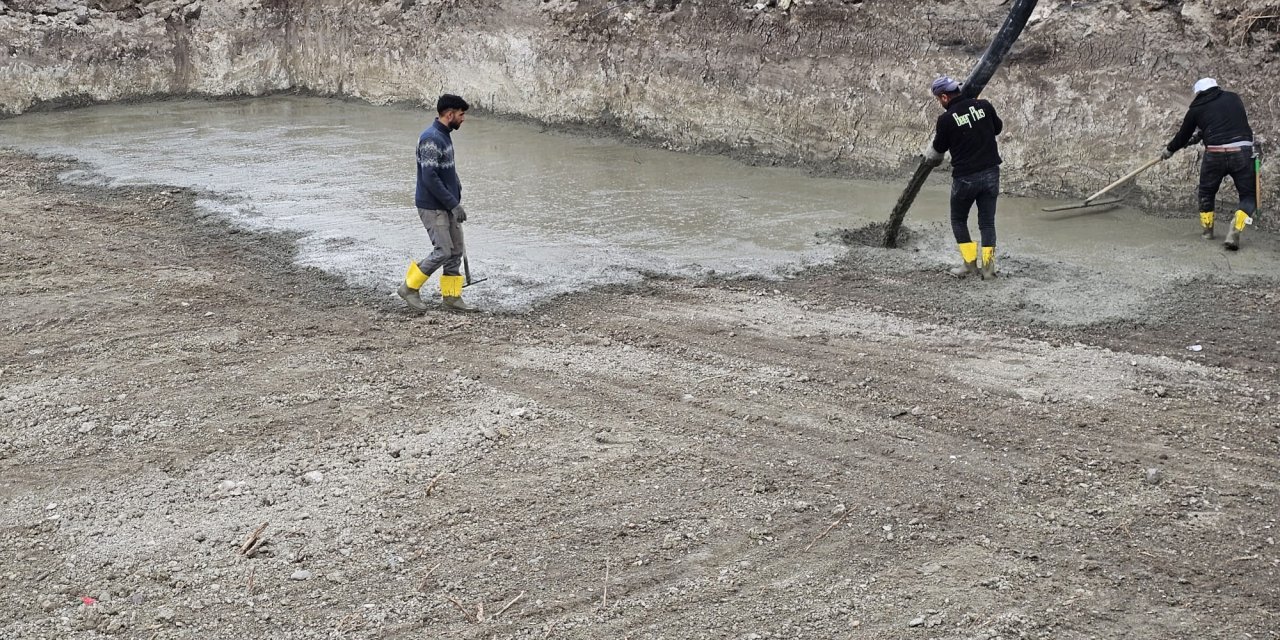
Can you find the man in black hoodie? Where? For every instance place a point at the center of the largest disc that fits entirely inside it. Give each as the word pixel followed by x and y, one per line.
pixel 968 130
pixel 1228 144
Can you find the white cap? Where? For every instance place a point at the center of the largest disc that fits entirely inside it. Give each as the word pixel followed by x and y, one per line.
pixel 1204 84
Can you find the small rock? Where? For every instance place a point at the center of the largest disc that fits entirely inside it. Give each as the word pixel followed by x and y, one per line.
pixel 489 433
pixel 915 411
pixel 300 574
pixel 522 412
pixel 1195 347
pixel 930 569
pixel 166 614
pixel 87 426
pixel 312 477
pixel 916 621
pixel 1154 476
pixel 604 437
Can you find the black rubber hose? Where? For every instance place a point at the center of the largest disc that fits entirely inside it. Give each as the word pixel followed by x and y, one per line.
pixel 1008 34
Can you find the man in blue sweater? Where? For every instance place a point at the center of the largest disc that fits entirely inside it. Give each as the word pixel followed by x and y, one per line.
pixel 439 201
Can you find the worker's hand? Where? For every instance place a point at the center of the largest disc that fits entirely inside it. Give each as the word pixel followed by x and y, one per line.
pixel 1166 154
pixel 459 213
pixel 931 156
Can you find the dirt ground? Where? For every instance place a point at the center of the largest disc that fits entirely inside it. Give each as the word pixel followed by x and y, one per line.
pixel 869 450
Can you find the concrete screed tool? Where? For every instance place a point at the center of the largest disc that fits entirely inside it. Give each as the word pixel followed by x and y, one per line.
pixel 1093 201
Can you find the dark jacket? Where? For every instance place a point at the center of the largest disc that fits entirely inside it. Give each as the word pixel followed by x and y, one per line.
pixel 1220 117
pixel 968 130
pixel 438 185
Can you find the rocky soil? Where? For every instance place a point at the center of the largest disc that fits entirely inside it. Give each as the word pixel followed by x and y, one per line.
pixel 199 439
pixel 1093 89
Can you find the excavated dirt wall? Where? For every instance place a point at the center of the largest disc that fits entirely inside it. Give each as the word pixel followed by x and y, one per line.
pixel 1091 90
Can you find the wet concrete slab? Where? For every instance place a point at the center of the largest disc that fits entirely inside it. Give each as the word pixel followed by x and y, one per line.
pixel 552 213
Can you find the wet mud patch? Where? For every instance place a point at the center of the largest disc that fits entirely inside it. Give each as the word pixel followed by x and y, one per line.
pixel 870 235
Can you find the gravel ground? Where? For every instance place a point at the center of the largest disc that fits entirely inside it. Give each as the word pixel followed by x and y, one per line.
pixel 200 439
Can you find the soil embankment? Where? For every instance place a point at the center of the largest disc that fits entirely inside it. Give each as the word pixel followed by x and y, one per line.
pixel 1092 89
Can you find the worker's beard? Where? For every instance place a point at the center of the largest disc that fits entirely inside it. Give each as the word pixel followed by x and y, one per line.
pixel 454 125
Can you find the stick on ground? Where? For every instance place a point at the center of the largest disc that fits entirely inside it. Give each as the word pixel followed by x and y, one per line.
pixel 433 483
pixel 720 375
pixel 253 541
pixel 604 598
pixel 828 530
pixel 461 608
pixel 423 586
pixel 509 605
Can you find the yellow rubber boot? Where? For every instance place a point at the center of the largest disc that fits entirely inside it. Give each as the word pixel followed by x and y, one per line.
pixel 1206 223
pixel 414 278
pixel 988 263
pixel 968 259
pixel 451 291
pixel 1237 227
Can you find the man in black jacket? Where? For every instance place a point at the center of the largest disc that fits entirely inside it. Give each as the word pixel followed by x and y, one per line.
pixel 1228 146
pixel 968 130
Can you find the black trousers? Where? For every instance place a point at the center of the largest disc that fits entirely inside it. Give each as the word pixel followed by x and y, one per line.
pixel 1237 164
pixel 983 188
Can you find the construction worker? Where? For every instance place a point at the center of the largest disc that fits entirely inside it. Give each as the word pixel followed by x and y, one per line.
pixel 439 201
pixel 1228 146
pixel 968 130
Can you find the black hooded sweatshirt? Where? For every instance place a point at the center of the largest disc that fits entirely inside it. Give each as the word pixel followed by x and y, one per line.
pixel 968 130
pixel 1220 117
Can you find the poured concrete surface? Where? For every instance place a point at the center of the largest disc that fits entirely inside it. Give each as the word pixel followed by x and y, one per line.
pixel 553 214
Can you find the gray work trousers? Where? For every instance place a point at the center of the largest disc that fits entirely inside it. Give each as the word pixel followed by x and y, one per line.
pixel 446 237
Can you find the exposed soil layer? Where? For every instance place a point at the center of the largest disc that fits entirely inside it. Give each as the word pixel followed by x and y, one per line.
pixel 1092 90
pixel 869 450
